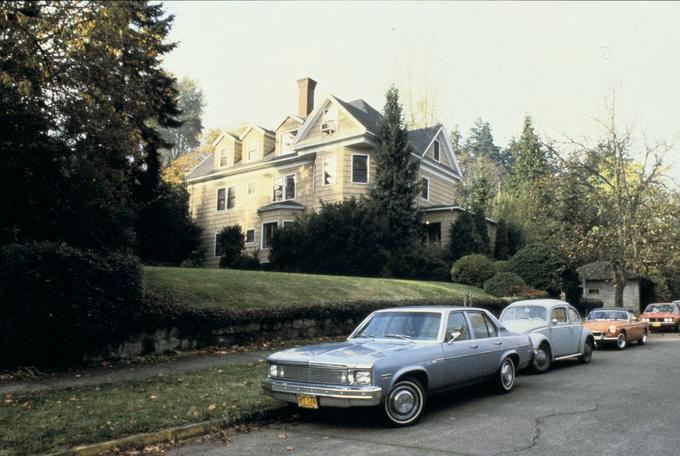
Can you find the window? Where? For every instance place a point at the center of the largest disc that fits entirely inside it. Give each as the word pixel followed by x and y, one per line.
pixel 329 120
pixel 250 236
pixel 482 328
pixel 218 245
pixel 433 233
pixel 252 187
pixel 435 151
pixel 284 188
pixel 359 169
pixel 221 198
pixel 224 157
pixel 328 171
pixel 593 291
pixel 425 188
pixel 287 141
pixel 286 223
pixel 559 314
pixel 252 149
pixel 268 230
pixel 574 318
pixel 231 197
pixel 457 323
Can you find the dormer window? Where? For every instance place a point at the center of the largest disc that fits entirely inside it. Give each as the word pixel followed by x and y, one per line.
pixel 287 142
pixel 329 120
pixel 224 157
pixel 252 150
pixel 435 151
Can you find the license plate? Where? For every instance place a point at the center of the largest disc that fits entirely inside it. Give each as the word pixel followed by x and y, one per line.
pixel 307 401
pixel 656 325
pixel 599 337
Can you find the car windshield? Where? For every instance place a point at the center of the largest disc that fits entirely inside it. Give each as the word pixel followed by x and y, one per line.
pixel 607 315
pixel 525 313
pixel 655 308
pixel 401 325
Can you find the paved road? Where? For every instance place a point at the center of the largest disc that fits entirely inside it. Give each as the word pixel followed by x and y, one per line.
pixel 623 403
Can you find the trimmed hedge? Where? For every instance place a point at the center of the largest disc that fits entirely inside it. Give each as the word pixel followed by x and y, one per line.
pixel 505 284
pixel 472 270
pixel 545 268
pixel 59 303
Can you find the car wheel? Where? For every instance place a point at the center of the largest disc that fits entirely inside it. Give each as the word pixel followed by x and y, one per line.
pixel 542 359
pixel 621 341
pixel 643 340
pixel 405 403
pixel 505 377
pixel 587 355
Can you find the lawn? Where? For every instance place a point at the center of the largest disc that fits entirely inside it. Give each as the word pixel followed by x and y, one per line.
pixel 47 421
pixel 234 289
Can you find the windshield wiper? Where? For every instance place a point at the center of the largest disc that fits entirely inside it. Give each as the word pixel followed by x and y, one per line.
pixel 400 336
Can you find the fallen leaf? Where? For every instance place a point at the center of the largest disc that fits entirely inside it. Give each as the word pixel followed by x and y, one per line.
pixel 282 436
pixel 153 397
pixel 289 448
pixel 212 407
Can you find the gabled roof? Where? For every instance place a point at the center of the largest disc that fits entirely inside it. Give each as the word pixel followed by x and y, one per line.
pixel 423 137
pixel 364 113
pixel 600 270
pixel 207 166
pixel 257 127
pixel 298 119
pixel 282 205
pixel 220 137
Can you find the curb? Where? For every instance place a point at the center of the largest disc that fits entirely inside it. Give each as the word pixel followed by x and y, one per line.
pixel 172 434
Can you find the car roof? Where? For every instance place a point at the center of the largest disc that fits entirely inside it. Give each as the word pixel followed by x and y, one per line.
pixel 546 303
pixel 427 309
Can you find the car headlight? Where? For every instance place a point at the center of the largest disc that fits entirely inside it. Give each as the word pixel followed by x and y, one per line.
pixel 356 377
pixel 275 371
pixel 668 320
pixel 645 320
pixel 612 329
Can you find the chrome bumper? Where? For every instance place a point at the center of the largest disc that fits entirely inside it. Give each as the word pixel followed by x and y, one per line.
pixel 327 395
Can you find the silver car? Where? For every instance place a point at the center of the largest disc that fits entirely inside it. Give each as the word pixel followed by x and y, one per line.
pixel 396 356
pixel 555 329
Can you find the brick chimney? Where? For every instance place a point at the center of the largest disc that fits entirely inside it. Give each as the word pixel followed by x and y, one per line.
pixel 305 96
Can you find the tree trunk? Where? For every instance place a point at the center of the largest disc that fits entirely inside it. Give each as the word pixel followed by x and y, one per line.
pixel 619 285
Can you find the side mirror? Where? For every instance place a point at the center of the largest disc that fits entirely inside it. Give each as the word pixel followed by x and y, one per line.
pixel 554 321
pixel 454 335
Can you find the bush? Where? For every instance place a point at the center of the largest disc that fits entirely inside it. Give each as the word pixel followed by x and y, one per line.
pixel 58 303
pixel 544 268
pixel 231 243
pixel 501 266
pixel 196 259
pixel 423 263
pixel 504 284
pixel 472 270
pixel 466 238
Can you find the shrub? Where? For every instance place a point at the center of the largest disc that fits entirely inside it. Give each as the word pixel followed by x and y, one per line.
pixel 472 270
pixel 231 243
pixel 59 303
pixel 501 249
pixel 501 266
pixel 421 262
pixel 196 259
pixel 544 268
pixel 504 284
pixel 465 238
pixel 249 261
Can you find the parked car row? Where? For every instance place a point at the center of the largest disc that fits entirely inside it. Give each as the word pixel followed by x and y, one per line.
pixel 396 357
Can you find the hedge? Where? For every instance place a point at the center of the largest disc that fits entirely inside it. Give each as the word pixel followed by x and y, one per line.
pixel 59 303
pixel 472 270
pixel 504 284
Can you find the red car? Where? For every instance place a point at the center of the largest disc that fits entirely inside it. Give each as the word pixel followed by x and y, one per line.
pixel 662 315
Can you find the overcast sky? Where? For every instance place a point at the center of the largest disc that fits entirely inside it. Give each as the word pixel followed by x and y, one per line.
pixel 558 62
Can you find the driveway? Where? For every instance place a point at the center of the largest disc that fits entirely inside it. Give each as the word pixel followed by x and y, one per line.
pixel 623 403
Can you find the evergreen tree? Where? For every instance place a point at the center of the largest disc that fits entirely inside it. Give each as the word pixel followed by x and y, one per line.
pixel 530 159
pixel 185 137
pixel 501 248
pixel 465 238
pixel 481 231
pixel 396 187
pixel 480 143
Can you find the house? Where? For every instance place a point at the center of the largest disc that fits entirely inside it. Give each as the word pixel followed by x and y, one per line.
pixel 597 282
pixel 261 178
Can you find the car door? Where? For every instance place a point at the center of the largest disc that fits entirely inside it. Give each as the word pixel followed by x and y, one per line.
pixel 484 343
pixel 576 330
pixel 457 362
pixel 561 332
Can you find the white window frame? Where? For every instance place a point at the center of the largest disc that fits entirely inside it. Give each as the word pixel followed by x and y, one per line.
pixel 248 150
pixel 283 188
pixel 252 228
pixel 428 188
pixel 326 118
pixel 217 199
pixel 323 170
pixel 436 146
pixel 225 151
pixel 368 169
pixel 226 199
pixel 262 231
pixel 283 222
pixel 293 133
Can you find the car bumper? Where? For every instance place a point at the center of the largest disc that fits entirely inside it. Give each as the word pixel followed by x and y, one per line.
pixel 327 395
pixel 661 324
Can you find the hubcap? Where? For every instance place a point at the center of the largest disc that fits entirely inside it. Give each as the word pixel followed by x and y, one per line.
pixel 644 337
pixel 541 358
pixel 621 341
pixel 403 402
pixel 507 374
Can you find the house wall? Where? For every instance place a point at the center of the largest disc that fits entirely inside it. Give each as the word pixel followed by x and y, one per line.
pixel 631 293
pixel 443 158
pixel 441 191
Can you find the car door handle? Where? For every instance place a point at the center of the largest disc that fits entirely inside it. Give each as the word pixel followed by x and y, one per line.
pixel 474 346
pixel 498 343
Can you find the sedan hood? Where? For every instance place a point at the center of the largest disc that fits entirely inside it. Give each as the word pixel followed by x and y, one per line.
pixel 603 326
pixel 353 353
pixel 525 326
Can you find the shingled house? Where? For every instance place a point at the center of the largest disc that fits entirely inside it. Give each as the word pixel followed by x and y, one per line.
pixel 597 282
pixel 263 178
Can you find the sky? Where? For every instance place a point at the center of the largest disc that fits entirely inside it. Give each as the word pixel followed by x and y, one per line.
pixel 561 63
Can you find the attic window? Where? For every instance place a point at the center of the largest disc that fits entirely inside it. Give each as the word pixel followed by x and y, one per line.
pixel 435 151
pixel 224 157
pixel 329 120
pixel 252 149
pixel 287 141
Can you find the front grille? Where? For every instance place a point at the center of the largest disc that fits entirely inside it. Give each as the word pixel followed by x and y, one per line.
pixel 312 374
pixel 656 319
pixel 598 334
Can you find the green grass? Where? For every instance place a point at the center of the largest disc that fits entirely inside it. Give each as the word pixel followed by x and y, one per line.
pixel 234 290
pixel 47 421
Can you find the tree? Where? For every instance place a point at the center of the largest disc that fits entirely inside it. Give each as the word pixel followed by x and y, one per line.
pixel 185 137
pixel 482 231
pixel 81 85
pixel 396 187
pixel 176 171
pixel 481 183
pixel 230 245
pixel 480 143
pixel 502 245
pixel 530 159
pixel 465 238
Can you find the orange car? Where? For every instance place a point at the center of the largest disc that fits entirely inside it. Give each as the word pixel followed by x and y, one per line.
pixel 619 326
pixel 662 315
